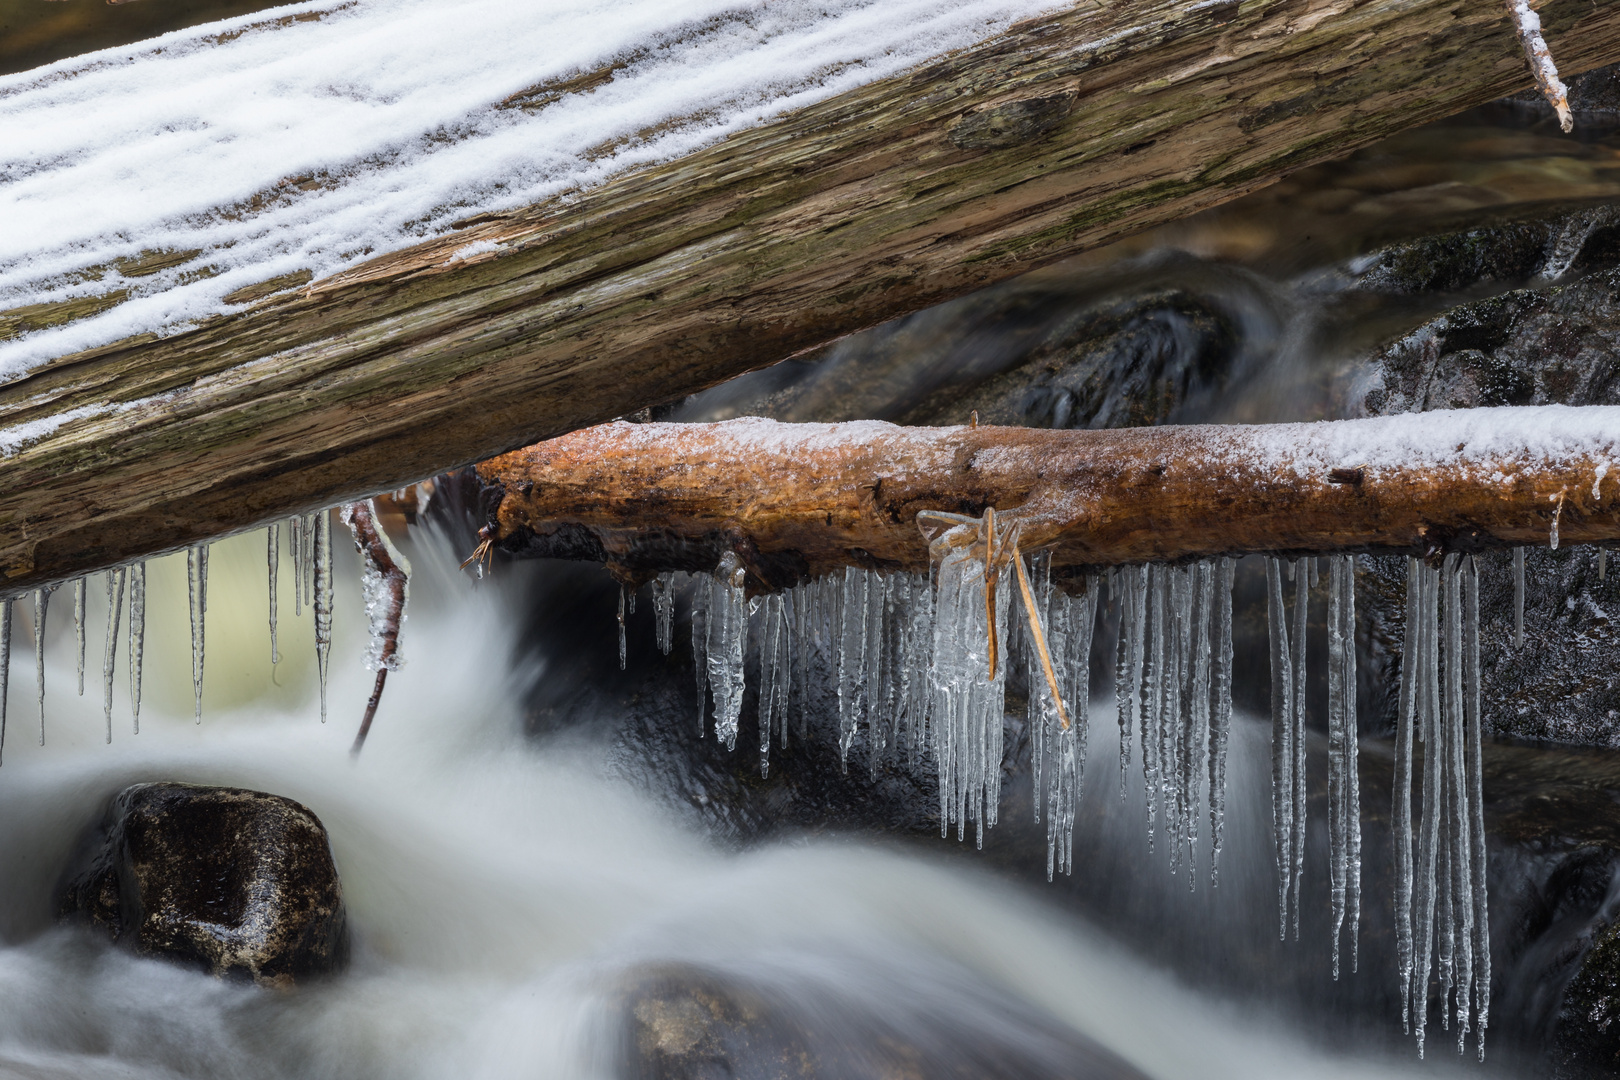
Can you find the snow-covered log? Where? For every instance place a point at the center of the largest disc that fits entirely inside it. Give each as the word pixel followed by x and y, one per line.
pixel 793 500
pixel 790 227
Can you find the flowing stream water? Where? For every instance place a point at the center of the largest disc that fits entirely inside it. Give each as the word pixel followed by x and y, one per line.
pixel 500 892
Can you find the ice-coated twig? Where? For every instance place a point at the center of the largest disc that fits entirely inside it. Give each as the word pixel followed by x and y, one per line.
pixel 1527 24
pixel 386 585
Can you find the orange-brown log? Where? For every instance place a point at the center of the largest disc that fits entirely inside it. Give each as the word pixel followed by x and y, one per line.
pixel 794 500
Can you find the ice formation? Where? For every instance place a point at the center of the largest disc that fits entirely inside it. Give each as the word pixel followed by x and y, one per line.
pixel 1441 905
pixel 197 595
pixel 319 533
pixel 42 599
pixel 273 566
pixel 137 637
pixel 5 667
pixel 116 581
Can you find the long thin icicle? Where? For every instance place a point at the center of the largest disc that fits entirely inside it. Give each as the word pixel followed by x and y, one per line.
pixel 197 593
pixel 663 591
pixel 321 582
pixel 1401 813
pixel 116 580
pixel 42 600
pixel 1476 793
pixel 1221 712
pixel 1344 810
pixel 137 637
pixel 272 562
pixel 1518 598
pixel 79 588
pixel 5 668
pixel 1302 600
pixel 1282 741
pixel 728 637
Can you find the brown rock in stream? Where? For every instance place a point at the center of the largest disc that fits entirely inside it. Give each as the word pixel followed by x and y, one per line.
pixel 238 882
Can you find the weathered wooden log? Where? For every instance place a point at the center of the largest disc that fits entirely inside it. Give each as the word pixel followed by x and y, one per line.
pixel 1056 136
pixel 794 500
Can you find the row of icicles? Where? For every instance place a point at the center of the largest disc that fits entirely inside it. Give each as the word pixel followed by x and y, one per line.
pixel 309 540
pixel 920 663
pixel 910 658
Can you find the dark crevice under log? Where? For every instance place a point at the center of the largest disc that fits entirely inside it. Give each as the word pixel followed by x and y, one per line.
pixel 793 500
pixel 1056 136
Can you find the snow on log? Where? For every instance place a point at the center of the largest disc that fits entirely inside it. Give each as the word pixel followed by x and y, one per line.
pixel 791 226
pixel 796 500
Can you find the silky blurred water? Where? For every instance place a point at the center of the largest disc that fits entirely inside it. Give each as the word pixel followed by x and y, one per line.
pixel 501 893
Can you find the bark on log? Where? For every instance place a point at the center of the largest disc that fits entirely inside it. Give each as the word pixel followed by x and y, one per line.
pixel 1057 136
pixel 793 500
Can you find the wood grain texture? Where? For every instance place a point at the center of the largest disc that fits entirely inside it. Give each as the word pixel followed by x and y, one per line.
pixel 1056 136
pixel 796 500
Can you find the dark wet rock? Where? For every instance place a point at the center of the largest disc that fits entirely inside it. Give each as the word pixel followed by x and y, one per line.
pixel 1559 344
pixel 684 1023
pixel 240 883
pixel 1587 1045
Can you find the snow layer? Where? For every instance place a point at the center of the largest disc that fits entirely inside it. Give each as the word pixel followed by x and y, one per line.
pixel 318 134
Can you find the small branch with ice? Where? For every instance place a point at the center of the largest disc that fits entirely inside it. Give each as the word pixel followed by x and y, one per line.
pixel 386 580
pixel 1528 26
pixel 797 501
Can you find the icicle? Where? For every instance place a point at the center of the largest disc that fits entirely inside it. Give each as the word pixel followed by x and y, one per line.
pixel 728 636
pixel 5 668
pixel 872 669
pixel 295 548
pixel 272 561
pixel 320 562
pixel 79 587
pixel 1458 825
pixel 1344 813
pixel 1126 678
pixel 1401 816
pixel 42 599
pixel 702 587
pixel 1476 795
pixel 1196 725
pixel 852 630
pixel 196 578
pixel 1427 692
pixel 137 637
pixel 115 606
pixel 968 698
pixel 1221 715
pixel 309 533
pixel 1282 739
pixel 772 687
pixel 1301 797
pixel 623 600
pixel 663 591
pixel 1518 598
pixel 1153 680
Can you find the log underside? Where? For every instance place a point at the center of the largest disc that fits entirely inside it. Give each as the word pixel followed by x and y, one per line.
pixel 798 500
pixel 1060 135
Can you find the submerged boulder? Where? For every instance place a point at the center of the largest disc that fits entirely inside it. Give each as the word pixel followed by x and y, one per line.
pixel 238 882
pixel 687 1023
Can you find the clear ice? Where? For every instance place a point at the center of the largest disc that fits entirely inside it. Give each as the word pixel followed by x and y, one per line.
pixel 319 541
pixel 137 637
pixel 79 587
pixel 197 593
pixel 116 581
pixel 5 668
pixel 273 564
pixel 42 599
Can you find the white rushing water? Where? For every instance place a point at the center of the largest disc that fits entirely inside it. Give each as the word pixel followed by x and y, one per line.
pixel 498 891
